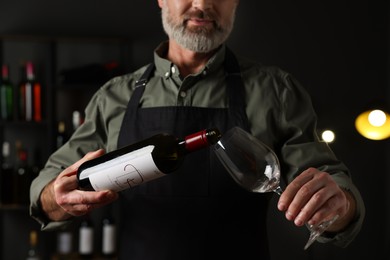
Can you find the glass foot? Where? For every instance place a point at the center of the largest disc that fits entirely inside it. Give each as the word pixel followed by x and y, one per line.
pixel 316 231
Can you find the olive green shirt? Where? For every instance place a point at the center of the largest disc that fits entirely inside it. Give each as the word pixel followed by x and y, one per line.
pixel 279 110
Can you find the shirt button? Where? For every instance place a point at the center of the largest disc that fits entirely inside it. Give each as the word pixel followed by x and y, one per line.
pixel 183 94
pixel 173 70
pixel 204 72
pixel 167 74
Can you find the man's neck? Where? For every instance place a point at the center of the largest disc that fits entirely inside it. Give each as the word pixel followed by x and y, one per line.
pixel 188 62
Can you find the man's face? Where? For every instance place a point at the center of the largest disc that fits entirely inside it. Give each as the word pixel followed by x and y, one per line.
pixel 198 25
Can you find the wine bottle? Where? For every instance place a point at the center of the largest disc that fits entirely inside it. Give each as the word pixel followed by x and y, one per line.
pixel 61 134
pixel 76 119
pixel 7 177
pixel 108 236
pixel 141 162
pixel 64 246
pixel 6 94
pixel 86 238
pixel 30 91
pixel 33 253
pixel 23 176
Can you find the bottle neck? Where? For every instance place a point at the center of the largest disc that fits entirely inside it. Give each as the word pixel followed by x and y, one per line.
pixel 30 71
pixel 4 72
pixel 195 141
pixel 201 139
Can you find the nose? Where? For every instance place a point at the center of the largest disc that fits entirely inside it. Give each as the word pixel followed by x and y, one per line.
pixel 202 4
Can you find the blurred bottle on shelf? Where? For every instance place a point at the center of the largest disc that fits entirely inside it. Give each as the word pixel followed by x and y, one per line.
pixel 30 96
pixel 33 253
pixel 64 246
pixel 77 119
pixel 6 94
pixel 36 165
pixel 7 176
pixel 108 250
pixel 86 238
pixel 23 176
pixel 61 134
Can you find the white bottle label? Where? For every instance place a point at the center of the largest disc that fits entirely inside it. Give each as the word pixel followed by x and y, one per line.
pixel 123 172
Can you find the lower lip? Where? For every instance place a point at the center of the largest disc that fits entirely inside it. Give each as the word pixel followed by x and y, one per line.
pixel 199 22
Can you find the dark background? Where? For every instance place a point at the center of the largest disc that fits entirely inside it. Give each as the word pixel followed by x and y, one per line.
pixel 338 50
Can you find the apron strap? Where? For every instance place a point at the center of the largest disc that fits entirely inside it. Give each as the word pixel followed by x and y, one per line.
pixel 140 86
pixel 235 89
pixel 133 103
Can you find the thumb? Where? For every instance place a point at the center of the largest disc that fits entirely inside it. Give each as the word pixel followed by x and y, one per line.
pixel 89 156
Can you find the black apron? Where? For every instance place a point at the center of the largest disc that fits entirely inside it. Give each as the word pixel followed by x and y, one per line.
pixel 197 212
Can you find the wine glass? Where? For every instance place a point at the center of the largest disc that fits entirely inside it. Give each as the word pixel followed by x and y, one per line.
pixel 255 167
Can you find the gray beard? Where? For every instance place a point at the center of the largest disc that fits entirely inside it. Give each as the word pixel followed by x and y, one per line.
pixel 200 41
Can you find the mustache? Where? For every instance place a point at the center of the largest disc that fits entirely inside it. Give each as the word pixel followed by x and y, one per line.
pixel 199 14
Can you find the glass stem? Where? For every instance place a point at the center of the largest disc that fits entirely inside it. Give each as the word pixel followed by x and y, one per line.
pixel 278 190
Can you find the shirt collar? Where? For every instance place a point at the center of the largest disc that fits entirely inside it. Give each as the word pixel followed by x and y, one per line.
pixel 164 66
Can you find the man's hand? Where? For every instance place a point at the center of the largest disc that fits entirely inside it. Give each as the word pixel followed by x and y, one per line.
pixel 61 199
pixel 313 197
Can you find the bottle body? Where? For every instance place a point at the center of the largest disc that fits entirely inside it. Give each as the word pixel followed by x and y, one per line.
pixel 30 96
pixel 7 177
pixel 6 94
pixel 61 137
pixel 108 238
pixel 33 253
pixel 142 162
pixel 86 238
pixel 23 176
pixel 64 246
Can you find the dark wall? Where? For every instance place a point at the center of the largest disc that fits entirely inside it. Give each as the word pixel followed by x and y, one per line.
pixel 338 50
pixel 340 54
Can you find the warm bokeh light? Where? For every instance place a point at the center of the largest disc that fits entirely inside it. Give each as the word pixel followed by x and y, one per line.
pixel 328 136
pixel 377 117
pixel 373 124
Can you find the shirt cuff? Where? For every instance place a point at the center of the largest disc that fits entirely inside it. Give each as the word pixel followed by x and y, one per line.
pixel 346 236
